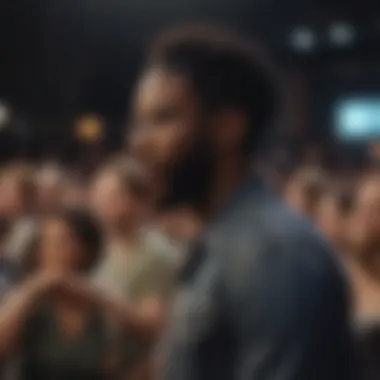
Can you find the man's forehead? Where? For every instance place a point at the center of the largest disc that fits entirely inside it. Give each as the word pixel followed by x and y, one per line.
pixel 158 84
pixel 105 178
pixel 151 80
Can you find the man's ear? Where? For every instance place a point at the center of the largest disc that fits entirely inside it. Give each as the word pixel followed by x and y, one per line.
pixel 229 129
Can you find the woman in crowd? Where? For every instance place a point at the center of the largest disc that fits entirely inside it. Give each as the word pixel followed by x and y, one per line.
pixel 364 238
pixel 58 335
pixel 332 215
pixel 304 190
pixel 17 190
pixel 75 192
pixel 50 187
pixel 139 269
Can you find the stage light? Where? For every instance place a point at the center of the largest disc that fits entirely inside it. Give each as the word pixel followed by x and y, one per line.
pixel 89 128
pixel 303 39
pixel 341 34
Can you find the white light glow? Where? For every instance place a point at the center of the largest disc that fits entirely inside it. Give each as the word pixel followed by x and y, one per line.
pixel 341 34
pixel 303 39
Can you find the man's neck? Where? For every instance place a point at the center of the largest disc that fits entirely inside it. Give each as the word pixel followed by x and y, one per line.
pixel 229 175
pixel 369 267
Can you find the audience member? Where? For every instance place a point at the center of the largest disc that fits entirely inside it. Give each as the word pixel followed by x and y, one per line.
pixel 331 216
pixel 75 191
pixel 138 271
pixel 58 335
pixel 17 186
pixel 304 190
pixel 364 238
pixel 50 184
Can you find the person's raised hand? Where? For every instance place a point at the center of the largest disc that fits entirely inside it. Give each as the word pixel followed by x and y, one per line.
pixel 44 282
pixel 80 287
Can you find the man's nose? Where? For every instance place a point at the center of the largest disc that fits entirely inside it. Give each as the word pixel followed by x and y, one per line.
pixel 140 145
pixel 136 142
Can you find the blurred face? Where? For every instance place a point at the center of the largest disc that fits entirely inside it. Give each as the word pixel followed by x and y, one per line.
pixel 59 249
pixel 74 196
pixel 365 221
pixel 12 203
pixel 330 220
pixel 110 200
pixel 171 136
pixel 296 197
pixel 49 194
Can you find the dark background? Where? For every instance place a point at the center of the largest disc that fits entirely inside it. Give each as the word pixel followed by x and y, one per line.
pixel 63 58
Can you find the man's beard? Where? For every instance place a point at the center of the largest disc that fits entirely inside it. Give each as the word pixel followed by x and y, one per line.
pixel 369 251
pixel 189 179
pixel 371 245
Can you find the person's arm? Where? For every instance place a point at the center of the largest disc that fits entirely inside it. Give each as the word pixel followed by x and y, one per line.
pixel 145 317
pixel 131 317
pixel 16 307
pixel 154 287
pixel 138 319
pixel 293 323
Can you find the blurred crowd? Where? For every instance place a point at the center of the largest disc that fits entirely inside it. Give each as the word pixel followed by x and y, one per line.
pixel 89 263
pixel 86 262
pixel 348 215
pixel 92 264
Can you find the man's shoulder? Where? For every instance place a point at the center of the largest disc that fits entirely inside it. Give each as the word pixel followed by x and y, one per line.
pixel 264 229
pixel 287 231
pixel 265 218
pixel 282 226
